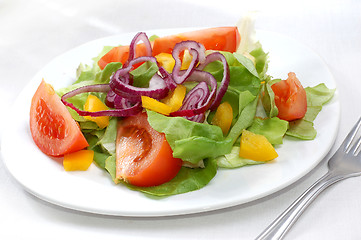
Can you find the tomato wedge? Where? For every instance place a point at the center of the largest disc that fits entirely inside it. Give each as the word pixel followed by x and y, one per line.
pixel 220 38
pixel 53 129
pixel 143 155
pixel 290 98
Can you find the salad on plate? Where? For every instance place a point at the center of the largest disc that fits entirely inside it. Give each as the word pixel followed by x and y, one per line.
pixel 162 114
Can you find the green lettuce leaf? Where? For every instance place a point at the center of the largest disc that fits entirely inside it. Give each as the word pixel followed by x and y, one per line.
pixel 317 96
pixel 107 141
pixel 232 96
pixel 243 80
pixel 88 77
pixel 110 166
pixel 247 63
pixel 143 74
pixel 248 108
pixel 102 142
pixel 261 60
pixel 233 160
pixel 187 180
pixel 88 126
pixel 194 149
pixel 243 74
pixel 190 141
pixel 268 98
pixel 272 128
pixel 302 129
pixel 99 155
pixel 95 75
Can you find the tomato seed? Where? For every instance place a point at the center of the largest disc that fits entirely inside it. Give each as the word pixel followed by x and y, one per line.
pixel 50 124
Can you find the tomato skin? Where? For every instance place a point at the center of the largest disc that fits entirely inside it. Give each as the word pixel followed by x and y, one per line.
pixel 219 38
pixel 143 156
pixel 52 127
pixel 290 98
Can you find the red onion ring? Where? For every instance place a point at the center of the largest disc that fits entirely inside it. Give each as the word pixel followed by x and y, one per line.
pixel 197 51
pixel 141 36
pixel 99 88
pixel 204 97
pixel 225 80
pixel 171 84
pixel 126 98
pixel 190 109
pixel 119 83
pixel 113 100
pixel 121 95
pixel 197 118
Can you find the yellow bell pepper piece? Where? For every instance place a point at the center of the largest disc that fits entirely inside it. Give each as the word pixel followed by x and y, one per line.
pixel 78 161
pixel 94 104
pixel 175 98
pixel 154 105
pixel 166 60
pixel 187 59
pixel 223 117
pixel 256 147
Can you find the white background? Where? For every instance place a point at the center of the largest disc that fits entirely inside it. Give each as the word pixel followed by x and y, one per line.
pixel 33 32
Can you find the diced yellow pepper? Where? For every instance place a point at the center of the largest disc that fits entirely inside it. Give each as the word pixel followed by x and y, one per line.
pixel 154 105
pixel 256 147
pixel 166 60
pixel 187 59
pixel 78 161
pixel 223 117
pixel 94 104
pixel 175 98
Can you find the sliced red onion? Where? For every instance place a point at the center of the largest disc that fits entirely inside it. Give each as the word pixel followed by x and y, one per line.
pixel 199 99
pixel 225 80
pixel 119 83
pixel 126 98
pixel 141 36
pixel 196 97
pixel 113 100
pixel 170 83
pixel 99 88
pixel 197 51
pixel 121 95
pixel 85 89
pixel 197 118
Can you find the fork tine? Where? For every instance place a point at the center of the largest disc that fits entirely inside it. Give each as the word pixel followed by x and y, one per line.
pixel 356 147
pixel 350 137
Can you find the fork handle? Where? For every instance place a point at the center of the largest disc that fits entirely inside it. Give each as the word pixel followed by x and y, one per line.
pixel 278 228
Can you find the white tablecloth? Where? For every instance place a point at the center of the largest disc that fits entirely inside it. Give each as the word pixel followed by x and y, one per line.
pixel 33 32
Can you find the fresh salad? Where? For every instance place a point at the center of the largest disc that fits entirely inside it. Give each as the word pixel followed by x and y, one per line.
pixel 162 114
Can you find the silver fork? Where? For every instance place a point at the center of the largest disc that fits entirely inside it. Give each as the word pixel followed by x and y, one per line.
pixel 345 163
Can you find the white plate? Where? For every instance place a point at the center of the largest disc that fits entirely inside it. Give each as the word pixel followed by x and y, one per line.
pixel 93 191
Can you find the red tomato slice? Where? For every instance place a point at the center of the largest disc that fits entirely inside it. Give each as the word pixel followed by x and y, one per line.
pixel 290 98
pixel 143 155
pixel 53 129
pixel 120 54
pixel 220 38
